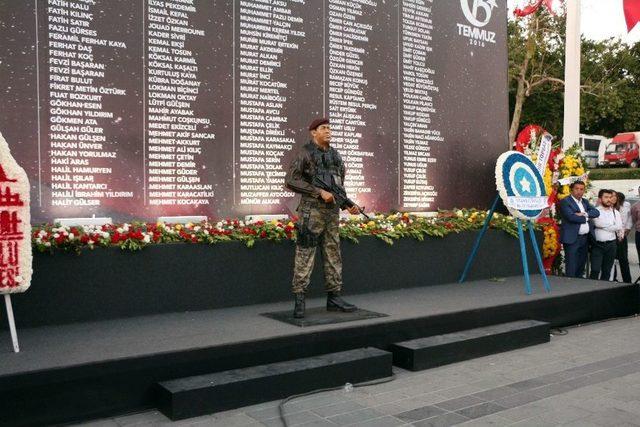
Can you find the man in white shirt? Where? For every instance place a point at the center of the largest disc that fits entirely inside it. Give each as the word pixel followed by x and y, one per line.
pixel 606 228
pixel 622 255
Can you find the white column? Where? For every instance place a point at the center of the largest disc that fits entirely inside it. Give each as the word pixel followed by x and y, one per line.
pixel 571 129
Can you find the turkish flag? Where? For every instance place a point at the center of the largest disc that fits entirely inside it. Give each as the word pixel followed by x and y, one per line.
pixel 532 7
pixel 631 13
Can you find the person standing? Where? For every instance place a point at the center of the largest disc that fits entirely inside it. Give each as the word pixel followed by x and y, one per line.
pixel 622 251
pixel 606 228
pixel 574 229
pixel 635 218
pixel 318 217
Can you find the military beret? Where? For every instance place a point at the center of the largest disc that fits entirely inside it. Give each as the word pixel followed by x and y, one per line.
pixel 317 122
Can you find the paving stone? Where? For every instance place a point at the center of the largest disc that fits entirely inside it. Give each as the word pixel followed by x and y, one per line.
pixel 318 401
pixel 523 412
pixel 496 393
pixel 337 409
pixel 459 403
pixel 460 391
pixel 494 420
pixel 612 417
pixel 444 420
pixel 292 419
pixel 107 422
pixel 527 384
pixel 317 423
pixel 551 390
pixel 268 412
pixel 386 421
pixel 564 415
pixel 389 409
pixel 420 413
pixel 355 417
pixel 481 410
pixel 140 418
pixel 419 401
pixel 517 399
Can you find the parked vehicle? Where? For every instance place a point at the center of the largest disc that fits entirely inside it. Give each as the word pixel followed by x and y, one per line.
pixel 592 146
pixel 623 150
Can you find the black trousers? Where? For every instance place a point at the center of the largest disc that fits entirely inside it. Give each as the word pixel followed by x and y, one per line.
pixel 575 256
pixel 602 256
pixel 622 255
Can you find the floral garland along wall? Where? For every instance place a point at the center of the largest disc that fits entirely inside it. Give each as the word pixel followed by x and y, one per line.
pixel 137 235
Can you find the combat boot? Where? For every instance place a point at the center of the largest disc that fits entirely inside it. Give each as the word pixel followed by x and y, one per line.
pixel 298 310
pixel 336 303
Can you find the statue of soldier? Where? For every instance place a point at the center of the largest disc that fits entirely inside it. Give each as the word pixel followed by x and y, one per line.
pixel 318 217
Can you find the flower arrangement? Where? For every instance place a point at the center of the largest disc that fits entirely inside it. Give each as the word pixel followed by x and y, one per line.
pixel 551 246
pixel 572 165
pixel 137 235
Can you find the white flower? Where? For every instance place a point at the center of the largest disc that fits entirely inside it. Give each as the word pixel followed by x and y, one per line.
pixel 119 230
pixel 71 236
pixel 90 242
pixel 146 239
pixel 47 244
pixel 459 212
pixel 197 228
pixel 105 235
pixel 56 235
pixel 206 232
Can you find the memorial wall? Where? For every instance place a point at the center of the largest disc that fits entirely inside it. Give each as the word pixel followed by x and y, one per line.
pixel 139 108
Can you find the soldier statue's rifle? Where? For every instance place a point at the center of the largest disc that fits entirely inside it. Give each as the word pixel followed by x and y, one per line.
pixel 327 183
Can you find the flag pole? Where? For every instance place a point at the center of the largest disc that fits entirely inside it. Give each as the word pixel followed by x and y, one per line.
pixel 571 130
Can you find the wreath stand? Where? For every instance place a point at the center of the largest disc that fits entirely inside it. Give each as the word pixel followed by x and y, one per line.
pixel 523 251
pixel 12 323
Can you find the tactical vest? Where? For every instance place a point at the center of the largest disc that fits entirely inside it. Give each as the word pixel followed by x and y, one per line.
pixel 327 163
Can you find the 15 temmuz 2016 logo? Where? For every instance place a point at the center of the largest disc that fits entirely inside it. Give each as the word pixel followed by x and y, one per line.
pixel 478 13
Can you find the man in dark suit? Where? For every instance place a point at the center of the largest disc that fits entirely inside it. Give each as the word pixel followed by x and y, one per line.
pixel 574 230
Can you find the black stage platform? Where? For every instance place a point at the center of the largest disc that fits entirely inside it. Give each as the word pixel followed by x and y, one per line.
pixel 109 283
pixel 83 370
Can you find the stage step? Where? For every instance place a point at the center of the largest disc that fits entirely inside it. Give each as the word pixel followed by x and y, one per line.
pixel 438 350
pixel 205 394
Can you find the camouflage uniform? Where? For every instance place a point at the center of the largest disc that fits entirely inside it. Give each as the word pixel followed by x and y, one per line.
pixel 318 221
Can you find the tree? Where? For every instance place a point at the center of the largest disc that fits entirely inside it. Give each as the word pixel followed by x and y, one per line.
pixel 536 57
pixel 616 106
pixel 609 74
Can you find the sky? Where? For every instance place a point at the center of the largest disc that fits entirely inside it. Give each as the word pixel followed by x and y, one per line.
pixel 600 19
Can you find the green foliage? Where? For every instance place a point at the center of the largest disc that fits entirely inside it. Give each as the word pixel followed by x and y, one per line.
pixel 617 173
